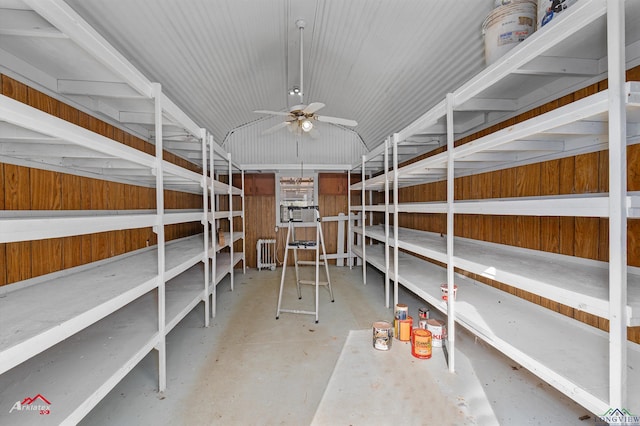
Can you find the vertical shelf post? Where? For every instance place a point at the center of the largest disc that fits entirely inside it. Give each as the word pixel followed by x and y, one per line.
pixel 617 208
pixel 244 235
pixel 451 319
pixel 205 223
pixel 230 201
pixel 349 236
pixel 212 225
pixel 386 222
pixel 363 221
pixel 395 139
pixel 161 347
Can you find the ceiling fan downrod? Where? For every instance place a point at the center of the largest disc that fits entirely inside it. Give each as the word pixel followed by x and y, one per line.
pixel 300 24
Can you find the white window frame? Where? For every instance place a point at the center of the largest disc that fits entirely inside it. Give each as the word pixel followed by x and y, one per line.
pixel 280 175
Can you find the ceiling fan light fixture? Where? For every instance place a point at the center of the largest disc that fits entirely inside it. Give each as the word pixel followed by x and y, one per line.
pixel 306 125
pixel 294 91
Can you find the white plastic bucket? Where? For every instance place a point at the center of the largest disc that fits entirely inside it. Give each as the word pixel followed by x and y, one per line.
pixel 506 26
pixel 548 10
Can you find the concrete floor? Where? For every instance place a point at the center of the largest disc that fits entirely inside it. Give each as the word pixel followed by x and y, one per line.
pixel 248 368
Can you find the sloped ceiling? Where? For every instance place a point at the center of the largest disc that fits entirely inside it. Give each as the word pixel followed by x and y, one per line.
pixel 380 62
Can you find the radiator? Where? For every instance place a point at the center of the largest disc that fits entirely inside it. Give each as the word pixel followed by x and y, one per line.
pixel 266 254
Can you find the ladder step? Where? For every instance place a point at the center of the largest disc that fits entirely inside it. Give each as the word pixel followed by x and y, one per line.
pixel 295 311
pixel 312 282
pixel 309 262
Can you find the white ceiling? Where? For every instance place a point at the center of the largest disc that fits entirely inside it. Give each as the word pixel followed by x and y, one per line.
pixel 382 63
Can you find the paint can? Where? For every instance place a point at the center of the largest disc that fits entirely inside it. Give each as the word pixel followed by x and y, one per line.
pixel 382 335
pixel 423 316
pixel 506 26
pixel 438 332
pixel 444 289
pixel 421 343
pixel 403 329
pixel 402 311
pixel 549 10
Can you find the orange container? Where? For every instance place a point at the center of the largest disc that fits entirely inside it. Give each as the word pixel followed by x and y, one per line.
pixel 421 343
pixel 403 329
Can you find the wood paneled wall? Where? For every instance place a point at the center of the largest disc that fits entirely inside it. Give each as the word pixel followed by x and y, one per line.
pixel 582 237
pixel 23 188
pixel 260 206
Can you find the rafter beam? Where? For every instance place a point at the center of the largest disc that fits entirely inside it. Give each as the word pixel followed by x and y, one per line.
pixel 476 104
pixel 98 88
pixel 63 17
pixel 182 146
pixel 26 23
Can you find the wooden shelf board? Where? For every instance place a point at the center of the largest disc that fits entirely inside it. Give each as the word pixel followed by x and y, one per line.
pixel 183 293
pixel 41 312
pixel 576 282
pixel 77 372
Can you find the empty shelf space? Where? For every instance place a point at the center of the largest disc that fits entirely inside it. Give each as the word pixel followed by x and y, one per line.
pixel 579 205
pixel 370 208
pixel 182 216
pixel 182 254
pixel 227 238
pixel 224 214
pixel 576 128
pixel 374 256
pixel 576 282
pixel 224 265
pixel 375 183
pixel 36 225
pixel 77 372
pixel 183 293
pixel 41 312
pixel 33 138
pixel 28 225
pixel 555 347
pixel 221 188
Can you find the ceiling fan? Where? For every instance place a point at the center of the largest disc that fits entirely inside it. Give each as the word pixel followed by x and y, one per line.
pixel 301 117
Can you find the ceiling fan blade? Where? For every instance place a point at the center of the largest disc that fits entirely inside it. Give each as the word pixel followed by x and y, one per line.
pixel 336 120
pixel 313 107
pixel 275 128
pixel 261 111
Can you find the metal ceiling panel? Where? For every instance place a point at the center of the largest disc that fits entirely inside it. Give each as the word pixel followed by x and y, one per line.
pixel 381 63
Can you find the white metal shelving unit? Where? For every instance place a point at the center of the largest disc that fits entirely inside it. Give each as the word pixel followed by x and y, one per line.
pixel 375 161
pixel 42 316
pixel 220 163
pixel 91 324
pixel 587 45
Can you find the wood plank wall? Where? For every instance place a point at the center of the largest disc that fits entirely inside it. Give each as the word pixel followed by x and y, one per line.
pixel 260 208
pixel 582 237
pixel 23 188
